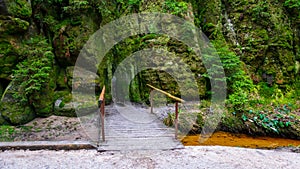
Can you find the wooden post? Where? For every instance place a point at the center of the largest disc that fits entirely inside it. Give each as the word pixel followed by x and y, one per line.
pixel 176 120
pixel 151 100
pixel 101 104
pixel 176 105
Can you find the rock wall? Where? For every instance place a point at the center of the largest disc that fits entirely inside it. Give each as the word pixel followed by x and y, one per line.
pixel 263 34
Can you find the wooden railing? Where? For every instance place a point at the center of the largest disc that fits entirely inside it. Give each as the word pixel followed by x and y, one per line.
pixel 101 105
pixel 178 100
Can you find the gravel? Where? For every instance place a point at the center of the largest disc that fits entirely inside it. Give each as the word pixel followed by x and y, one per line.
pixel 191 157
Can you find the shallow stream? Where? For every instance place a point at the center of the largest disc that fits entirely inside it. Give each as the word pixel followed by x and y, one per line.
pixel 240 140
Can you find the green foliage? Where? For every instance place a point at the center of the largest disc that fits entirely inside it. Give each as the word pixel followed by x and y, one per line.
pixel 239 85
pixel 265 90
pixel 13 26
pixel 134 2
pixel 32 74
pixel 271 120
pixel 113 9
pixel 292 4
pixel 293 7
pixel 76 6
pixel 275 96
pixel 6 133
pixel 19 8
pixel 52 2
pixel 176 7
pixel 9 133
pixel 260 12
pixel 169 121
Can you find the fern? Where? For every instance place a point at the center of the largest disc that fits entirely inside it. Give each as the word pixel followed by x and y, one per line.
pixel 32 74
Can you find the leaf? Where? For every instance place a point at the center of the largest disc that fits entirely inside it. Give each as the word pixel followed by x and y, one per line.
pixel 262 116
pixel 264 125
pixel 275 122
pixel 281 124
pixel 287 123
pixel 266 120
pixel 244 117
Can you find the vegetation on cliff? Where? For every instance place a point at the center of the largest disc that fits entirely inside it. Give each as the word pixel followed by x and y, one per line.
pixel 258 42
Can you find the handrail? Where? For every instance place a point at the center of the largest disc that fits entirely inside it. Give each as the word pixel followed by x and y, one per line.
pixel 167 94
pixel 101 104
pixel 176 105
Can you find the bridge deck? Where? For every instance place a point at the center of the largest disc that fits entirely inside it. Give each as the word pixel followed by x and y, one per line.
pixel 136 130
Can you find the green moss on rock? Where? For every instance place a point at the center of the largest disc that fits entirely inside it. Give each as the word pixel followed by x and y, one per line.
pixel 61 78
pixel 19 8
pixel 16 114
pixel 9 56
pixel 63 105
pixel 12 110
pixel 11 25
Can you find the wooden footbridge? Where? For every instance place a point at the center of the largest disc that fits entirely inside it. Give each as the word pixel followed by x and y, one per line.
pixel 122 128
pixel 126 128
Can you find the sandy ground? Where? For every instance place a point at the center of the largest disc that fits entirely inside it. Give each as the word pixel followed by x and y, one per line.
pixel 53 128
pixel 63 128
pixel 191 157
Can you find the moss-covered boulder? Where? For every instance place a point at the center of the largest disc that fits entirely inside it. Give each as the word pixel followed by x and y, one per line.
pixel 11 47
pixel 9 56
pixel 15 113
pixel 43 102
pixel 11 25
pixel 84 81
pixel 63 105
pixel 11 109
pixel 35 77
pixel 78 104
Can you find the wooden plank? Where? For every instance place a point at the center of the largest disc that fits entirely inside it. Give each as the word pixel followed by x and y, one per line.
pixel 125 134
pixel 50 145
pixel 164 143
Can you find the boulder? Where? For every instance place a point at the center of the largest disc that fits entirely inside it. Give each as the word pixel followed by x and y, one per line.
pixel 12 111
pixel 78 105
pixel 44 98
pixel 11 25
pixel 63 105
pixel 8 57
pixel 84 80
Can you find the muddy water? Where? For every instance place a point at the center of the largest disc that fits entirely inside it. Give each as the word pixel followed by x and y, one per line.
pixel 240 140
